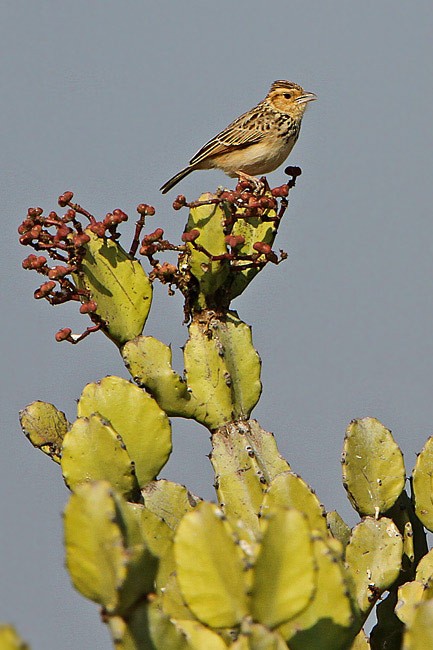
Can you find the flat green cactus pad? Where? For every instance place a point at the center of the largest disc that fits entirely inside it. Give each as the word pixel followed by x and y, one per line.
pixel 245 459
pixel 373 467
pixel 223 370
pixel 199 637
pixel 9 639
pixel 338 527
pixel 149 362
pixel 360 642
pixel 373 557
pixel 285 572
pixel 209 568
pixel 290 491
pixel 107 559
pixel 419 634
pixel 210 274
pixel 143 426
pixel 169 501
pixel 422 484
pixel 409 596
pixel 258 637
pixel 45 427
pixel 93 451
pixel 424 570
pixel 326 622
pixel 94 544
pixel 118 285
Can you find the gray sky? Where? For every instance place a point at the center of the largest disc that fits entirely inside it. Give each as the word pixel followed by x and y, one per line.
pixel 109 99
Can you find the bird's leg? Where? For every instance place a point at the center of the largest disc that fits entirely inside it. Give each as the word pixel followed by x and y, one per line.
pixel 258 184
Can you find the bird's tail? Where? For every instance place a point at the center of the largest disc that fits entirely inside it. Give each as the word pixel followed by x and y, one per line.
pixel 178 177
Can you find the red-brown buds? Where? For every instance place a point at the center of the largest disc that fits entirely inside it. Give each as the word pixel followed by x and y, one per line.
pixel 44 290
pixel 179 202
pixel 234 240
pixel 65 198
pixel 63 334
pixel 145 209
pixel 88 307
pixel 80 239
pixel 280 192
pixel 191 235
pixel 58 272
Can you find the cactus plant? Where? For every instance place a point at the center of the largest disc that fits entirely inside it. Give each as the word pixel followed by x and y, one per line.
pixel 265 567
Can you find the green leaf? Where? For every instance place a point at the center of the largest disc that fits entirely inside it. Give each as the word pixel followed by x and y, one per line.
pixel 144 428
pixel 373 467
pixel 92 451
pixel 45 427
pixel 284 574
pixel 373 557
pixel 209 568
pixel 422 484
pixel 118 285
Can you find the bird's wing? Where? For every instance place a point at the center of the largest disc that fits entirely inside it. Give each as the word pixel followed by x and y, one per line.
pixel 243 131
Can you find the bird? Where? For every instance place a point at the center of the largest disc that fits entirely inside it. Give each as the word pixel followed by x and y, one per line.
pixel 258 141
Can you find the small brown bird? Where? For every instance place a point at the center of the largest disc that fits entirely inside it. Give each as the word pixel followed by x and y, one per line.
pixel 258 141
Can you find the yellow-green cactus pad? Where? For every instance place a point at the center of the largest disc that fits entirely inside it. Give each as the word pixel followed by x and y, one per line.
pixel 45 427
pixel 209 568
pixel 424 570
pixel 288 490
pixel 258 637
pixel 338 527
pixel 373 557
pixel 9 639
pixel 144 428
pixel 94 544
pixel 118 285
pixel 422 483
pixel 169 501
pixel 92 451
pixel 326 622
pixel 373 467
pixel 223 370
pixel 149 362
pixel 285 571
pixel 419 634
pixel 409 596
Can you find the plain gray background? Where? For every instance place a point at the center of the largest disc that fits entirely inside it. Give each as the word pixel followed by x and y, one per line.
pixel 109 99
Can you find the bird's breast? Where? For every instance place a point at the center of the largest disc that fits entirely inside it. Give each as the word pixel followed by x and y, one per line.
pixel 255 159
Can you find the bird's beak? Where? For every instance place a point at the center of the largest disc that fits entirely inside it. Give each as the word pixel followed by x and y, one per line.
pixel 308 97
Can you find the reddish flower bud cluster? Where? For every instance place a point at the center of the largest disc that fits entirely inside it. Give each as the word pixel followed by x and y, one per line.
pixel 63 239
pixel 234 240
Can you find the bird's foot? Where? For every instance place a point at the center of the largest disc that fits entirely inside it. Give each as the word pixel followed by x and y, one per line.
pixel 258 184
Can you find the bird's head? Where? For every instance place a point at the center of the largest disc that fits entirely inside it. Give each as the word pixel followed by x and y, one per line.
pixel 288 97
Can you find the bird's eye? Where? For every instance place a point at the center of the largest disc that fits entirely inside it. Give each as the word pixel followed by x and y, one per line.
pixel 287 95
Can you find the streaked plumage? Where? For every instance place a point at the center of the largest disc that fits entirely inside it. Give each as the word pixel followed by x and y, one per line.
pixel 258 141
